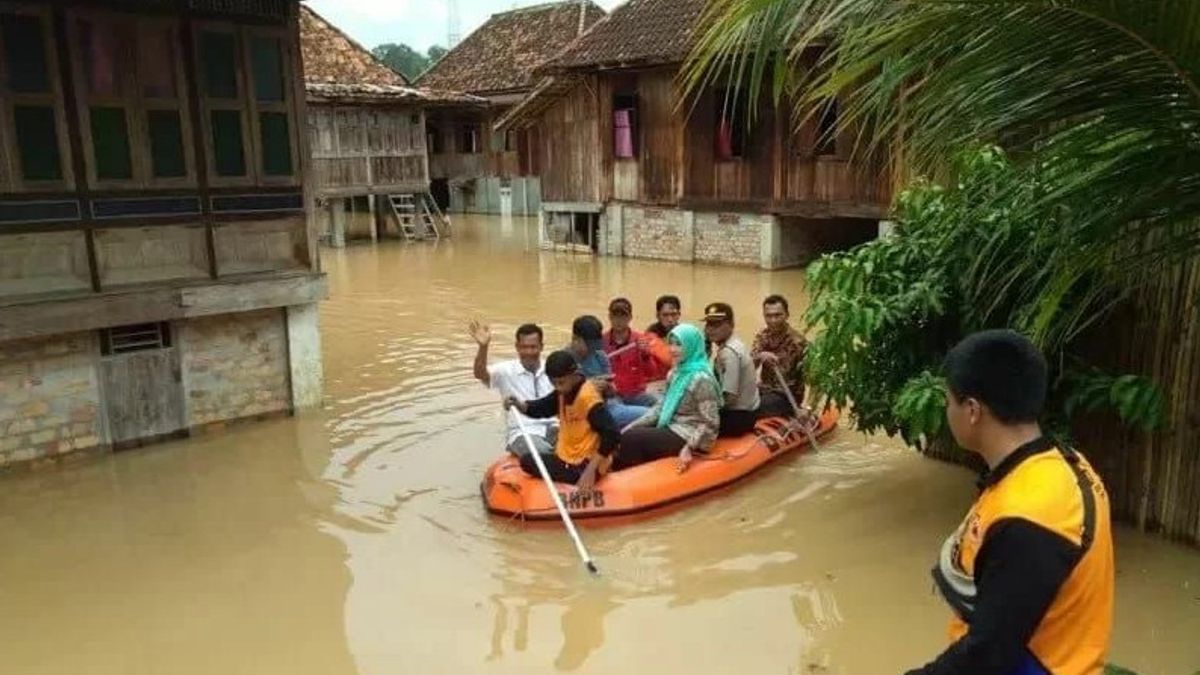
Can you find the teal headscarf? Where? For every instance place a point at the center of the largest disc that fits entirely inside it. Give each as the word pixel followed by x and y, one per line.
pixel 693 362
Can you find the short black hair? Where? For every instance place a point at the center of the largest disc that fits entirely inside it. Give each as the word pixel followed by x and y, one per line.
pixel 530 329
pixel 588 327
pixel 561 363
pixel 666 300
pixel 1003 370
pixel 620 306
pixel 777 299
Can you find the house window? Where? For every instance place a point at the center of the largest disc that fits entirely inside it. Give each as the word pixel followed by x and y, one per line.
pixel 625 126
pixel 732 125
pixel 827 129
pixel 468 139
pixel 510 140
pixel 131 109
pixel 246 91
pixel 31 149
pixel 433 140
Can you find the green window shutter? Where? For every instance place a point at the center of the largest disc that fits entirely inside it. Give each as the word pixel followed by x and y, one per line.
pixel 110 144
pixel 218 58
pixel 267 64
pixel 166 143
pixel 276 145
pixel 229 155
pixel 25 53
pixel 37 142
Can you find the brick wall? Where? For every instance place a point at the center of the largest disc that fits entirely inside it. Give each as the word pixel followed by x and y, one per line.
pixel 659 233
pixel 235 365
pixel 730 238
pixel 49 397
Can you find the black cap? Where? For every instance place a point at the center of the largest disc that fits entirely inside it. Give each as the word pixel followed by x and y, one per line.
pixel 588 327
pixel 717 312
pixel 560 364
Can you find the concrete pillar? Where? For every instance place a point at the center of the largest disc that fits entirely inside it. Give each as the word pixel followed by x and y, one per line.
pixel 542 223
pixel 337 223
pixel 304 355
pixel 771 241
pixel 689 236
pixel 374 219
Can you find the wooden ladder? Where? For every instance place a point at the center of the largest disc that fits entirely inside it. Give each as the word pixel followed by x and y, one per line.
pixel 405 210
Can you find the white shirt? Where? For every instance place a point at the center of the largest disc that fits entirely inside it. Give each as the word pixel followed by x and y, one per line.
pixel 511 378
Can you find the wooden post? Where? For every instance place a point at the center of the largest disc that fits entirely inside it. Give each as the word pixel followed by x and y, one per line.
pixel 337 223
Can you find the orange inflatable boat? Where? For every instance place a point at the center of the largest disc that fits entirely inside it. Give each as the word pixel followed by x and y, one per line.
pixel 509 491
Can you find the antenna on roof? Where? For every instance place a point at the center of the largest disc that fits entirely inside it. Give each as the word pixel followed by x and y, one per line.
pixel 453 33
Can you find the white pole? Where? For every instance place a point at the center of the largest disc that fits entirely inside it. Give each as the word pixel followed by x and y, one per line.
pixel 562 510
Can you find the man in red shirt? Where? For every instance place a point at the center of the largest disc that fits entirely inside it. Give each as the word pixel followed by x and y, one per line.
pixel 636 358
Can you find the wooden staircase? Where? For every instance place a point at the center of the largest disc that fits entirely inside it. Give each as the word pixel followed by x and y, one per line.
pixel 418 217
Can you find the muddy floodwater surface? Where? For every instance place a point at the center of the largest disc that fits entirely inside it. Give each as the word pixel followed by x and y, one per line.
pixel 352 539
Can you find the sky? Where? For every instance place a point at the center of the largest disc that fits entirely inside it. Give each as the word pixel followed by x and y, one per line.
pixel 417 23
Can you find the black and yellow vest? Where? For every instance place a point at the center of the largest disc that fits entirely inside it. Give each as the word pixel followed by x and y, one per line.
pixel 1058 490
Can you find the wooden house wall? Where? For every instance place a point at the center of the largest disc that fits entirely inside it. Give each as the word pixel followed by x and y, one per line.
pixel 98 226
pixel 676 160
pixel 491 159
pixel 571 157
pixel 367 149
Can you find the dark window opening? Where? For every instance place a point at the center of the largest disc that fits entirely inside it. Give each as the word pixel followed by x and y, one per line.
pixel 733 123
pixel 37 142
pixel 468 139
pixel 433 140
pixel 110 143
pixel 510 140
pixel 137 338
pixel 827 129
pixel 625 126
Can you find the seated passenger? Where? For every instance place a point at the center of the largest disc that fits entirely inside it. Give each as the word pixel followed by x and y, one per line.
pixel 779 348
pixel 586 432
pixel 686 420
pixel 587 344
pixel 638 357
pixel 735 371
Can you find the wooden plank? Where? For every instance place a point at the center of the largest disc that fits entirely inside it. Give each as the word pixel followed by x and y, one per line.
pixel 34 318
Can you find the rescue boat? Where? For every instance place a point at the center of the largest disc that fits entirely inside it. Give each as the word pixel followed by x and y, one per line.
pixel 509 491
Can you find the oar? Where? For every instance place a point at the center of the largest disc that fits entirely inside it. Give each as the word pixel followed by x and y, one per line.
pixel 795 408
pixel 562 510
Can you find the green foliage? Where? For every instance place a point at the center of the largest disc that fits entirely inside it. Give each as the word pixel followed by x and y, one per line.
pixel 1137 400
pixel 886 312
pixel 1099 99
pixel 405 60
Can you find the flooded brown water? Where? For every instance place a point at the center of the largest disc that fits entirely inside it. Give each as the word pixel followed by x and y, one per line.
pixel 352 539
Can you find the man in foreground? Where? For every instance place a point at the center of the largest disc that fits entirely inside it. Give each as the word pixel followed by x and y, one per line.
pixel 522 377
pixel 1029 572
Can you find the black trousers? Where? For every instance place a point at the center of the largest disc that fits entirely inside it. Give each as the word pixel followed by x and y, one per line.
pixel 736 422
pixel 646 444
pixel 560 471
pixel 774 404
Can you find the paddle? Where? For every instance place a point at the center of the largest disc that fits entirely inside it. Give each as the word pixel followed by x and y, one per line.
pixel 795 408
pixel 562 510
pixel 622 350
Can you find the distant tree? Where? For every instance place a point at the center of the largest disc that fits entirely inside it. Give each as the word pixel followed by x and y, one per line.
pixel 436 52
pixel 402 59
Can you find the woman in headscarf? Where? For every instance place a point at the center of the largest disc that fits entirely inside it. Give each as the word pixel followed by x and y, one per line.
pixel 686 420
